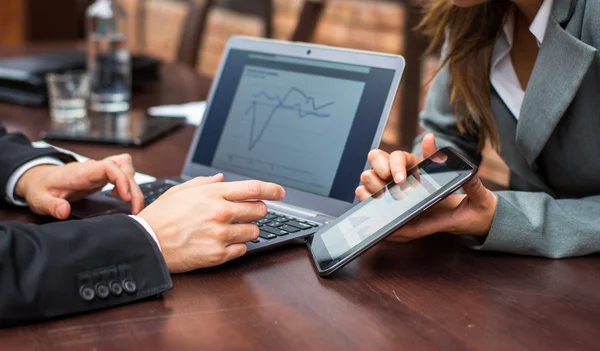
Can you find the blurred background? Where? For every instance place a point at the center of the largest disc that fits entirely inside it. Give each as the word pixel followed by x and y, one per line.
pixel 159 28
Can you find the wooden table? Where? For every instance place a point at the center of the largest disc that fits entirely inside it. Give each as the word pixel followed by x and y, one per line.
pixel 432 294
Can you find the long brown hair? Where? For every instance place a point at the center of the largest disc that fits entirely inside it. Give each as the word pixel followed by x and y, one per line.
pixel 469 35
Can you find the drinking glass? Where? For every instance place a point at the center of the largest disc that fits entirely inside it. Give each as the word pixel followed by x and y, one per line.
pixel 68 95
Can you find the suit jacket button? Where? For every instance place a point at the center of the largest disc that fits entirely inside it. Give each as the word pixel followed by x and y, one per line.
pixel 102 291
pixel 115 288
pixel 86 293
pixel 129 285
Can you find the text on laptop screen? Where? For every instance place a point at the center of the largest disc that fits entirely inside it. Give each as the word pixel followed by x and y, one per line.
pixel 301 123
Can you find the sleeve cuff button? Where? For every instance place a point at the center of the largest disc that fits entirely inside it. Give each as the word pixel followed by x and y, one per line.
pixel 129 286
pixel 116 288
pixel 87 293
pixel 102 291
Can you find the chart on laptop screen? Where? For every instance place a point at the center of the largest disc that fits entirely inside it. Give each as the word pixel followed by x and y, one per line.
pixel 288 127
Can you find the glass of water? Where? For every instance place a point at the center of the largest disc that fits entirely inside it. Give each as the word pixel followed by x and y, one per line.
pixel 68 95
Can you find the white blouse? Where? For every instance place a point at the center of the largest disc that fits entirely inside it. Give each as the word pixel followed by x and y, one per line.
pixel 502 74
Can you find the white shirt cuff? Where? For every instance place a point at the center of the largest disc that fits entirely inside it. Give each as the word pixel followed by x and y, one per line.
pixel 146 226
pixel 18 173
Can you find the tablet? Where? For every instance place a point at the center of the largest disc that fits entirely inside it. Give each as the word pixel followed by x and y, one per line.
pixel 389 209
pixel 133 128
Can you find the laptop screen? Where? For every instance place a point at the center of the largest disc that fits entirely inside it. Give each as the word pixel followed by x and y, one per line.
pixel 302 123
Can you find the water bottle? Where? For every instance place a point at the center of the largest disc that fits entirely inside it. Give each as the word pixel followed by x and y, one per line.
pixel 109 62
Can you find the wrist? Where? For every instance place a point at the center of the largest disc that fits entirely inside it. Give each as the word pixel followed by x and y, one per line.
pixel 31 176
pixel 144 223
pixel 490 213
pixel 149 224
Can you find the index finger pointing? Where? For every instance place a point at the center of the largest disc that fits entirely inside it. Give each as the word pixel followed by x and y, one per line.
pixel 251 190
pixel 137 197
pixel 125 162
pixel 400 162
pixel 118 177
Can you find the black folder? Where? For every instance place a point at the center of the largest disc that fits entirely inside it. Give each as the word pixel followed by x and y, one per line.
pixel 23 79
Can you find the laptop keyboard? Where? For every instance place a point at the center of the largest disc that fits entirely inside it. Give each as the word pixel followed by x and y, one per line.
pixel 152 191
pixel 272 226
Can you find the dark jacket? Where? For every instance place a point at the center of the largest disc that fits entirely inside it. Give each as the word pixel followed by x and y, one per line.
pixel 71 267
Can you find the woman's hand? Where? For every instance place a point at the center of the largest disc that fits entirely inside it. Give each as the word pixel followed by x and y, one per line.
pixel 470 214
pixel 47 189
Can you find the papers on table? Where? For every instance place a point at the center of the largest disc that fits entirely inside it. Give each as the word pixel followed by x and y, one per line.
pixel 140 178
pixel 192 111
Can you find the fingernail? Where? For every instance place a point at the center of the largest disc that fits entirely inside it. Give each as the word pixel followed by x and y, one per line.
pixel 62 211
pixel 398 177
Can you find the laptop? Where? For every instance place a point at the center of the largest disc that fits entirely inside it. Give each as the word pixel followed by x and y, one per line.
pixel 301 115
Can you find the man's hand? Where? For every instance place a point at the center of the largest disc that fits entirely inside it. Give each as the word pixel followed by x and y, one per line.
pixel 205 222
pixel 47 189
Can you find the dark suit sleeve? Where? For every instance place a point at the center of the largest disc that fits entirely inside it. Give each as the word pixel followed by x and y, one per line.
pixel 16 150
pixel 76 266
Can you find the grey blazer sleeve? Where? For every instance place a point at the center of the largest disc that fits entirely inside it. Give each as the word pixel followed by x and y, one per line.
pixel 525 223
pixel 528 223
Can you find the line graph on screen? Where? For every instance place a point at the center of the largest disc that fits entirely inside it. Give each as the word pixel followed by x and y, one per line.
pixel 288 127
pixel 294 100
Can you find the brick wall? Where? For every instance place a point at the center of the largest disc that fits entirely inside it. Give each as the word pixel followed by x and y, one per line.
pixel 346 23
pixel 12 26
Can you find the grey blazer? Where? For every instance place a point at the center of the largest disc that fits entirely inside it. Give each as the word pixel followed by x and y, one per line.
pixel 553 151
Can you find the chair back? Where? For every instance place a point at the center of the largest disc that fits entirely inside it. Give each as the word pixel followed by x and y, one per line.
pixel 196 22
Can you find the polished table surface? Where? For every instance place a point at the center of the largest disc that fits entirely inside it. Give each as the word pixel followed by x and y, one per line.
pixel 432 294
